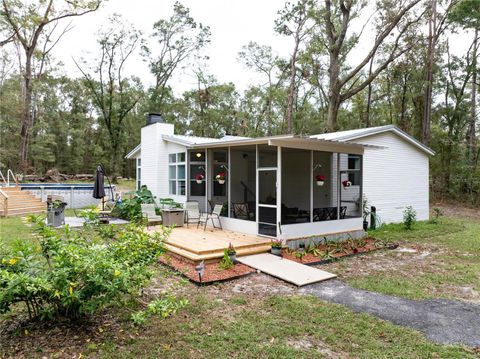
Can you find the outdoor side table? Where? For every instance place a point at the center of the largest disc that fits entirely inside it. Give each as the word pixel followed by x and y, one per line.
pixel 172 217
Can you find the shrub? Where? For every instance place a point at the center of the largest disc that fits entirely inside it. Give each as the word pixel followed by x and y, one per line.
pixel 70 274
pixel 130 209
pixel 164 307
pixel 226 262
pixel 437 213
pixel 409 217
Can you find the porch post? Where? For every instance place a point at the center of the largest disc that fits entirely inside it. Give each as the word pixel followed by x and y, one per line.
pixel 311 186
pixel 229 176
pixel 339 185
pixel 279 187
pixel 207 180
pixel 256 186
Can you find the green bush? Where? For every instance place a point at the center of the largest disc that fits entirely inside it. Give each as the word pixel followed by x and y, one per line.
pixel 409 217
pixel 162 307
pixel 130 209
pixel 70 274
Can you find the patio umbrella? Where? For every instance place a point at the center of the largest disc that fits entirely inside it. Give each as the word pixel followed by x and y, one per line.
pixel 99 185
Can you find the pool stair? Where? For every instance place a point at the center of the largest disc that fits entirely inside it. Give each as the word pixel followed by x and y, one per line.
pixel 15 202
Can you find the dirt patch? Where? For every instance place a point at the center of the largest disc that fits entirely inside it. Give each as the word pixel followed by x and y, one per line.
pixel 456 210
pixel 212 272
pixel 306 343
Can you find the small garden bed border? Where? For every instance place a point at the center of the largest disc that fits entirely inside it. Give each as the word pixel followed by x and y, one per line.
pixel 195 280
pixel 336 258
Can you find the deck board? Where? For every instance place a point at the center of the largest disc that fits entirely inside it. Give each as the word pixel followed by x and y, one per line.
pixel 197 244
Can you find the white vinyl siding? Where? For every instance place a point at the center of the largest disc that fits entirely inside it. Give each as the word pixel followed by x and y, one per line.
pixel 395 176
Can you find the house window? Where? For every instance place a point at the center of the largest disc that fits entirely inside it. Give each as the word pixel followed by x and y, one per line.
pixel 354 169
pixel 176 174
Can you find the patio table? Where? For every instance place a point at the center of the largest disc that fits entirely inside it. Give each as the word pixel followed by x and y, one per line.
pixel 174 216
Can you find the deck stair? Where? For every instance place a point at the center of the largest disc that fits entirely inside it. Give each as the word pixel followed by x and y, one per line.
pixel 196 245
pixel 15 202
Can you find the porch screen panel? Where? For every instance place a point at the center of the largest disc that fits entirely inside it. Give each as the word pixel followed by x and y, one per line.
pixel 296 179
pixel 324 194
pixel 350 186
pixel 243 182
pixel 218 190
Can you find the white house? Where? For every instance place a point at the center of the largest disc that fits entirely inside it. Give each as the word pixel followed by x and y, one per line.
pixel 271 183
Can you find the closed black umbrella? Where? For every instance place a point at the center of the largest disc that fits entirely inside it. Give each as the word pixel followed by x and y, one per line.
pixel 99 185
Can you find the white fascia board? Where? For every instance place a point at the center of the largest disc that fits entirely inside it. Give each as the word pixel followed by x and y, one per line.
pixel 319 145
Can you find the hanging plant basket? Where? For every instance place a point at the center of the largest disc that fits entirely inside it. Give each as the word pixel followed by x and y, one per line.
pixel 199 181
pixel 346 184
pixel 199 178
pixel 320 179
pixel 220 178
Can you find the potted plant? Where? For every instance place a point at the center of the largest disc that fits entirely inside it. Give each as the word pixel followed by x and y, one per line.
pixel 276 247
pixel 232 253
pixel 199 178
pixel 320 179
pixel 56 213
pixel 220 177
pixel 346 184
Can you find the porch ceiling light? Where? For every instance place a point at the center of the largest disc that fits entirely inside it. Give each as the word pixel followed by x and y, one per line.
pixel 198 154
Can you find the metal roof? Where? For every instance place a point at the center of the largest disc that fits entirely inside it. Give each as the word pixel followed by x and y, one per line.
pixel 364 132
pixel 133 152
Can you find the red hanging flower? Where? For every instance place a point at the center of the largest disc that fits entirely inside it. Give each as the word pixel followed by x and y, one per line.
pixel 199 177
pixel 220 176
pixel 320 178
pixel 346 183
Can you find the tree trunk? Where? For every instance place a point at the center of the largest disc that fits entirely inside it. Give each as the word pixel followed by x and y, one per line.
pixel 333 92
pixel 27 114
pixel 471 135
pixel 427 111
pixel 292 89
pixel 369 96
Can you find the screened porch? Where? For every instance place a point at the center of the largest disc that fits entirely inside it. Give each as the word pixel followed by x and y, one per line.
pixel 295 186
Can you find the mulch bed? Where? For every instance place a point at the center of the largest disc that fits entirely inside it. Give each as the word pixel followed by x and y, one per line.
pixel 212 272
pixel 310 259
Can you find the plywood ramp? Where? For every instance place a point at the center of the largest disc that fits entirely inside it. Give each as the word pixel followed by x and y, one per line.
pixel 196 244
pixel 287 270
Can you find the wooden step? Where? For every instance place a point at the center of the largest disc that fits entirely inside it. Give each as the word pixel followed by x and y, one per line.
pixel 20 203
pixel 215 256
pixel 22 211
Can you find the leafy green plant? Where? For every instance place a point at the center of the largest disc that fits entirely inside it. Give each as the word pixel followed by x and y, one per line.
pixel 276 243
pixel 163 307
pixel 437 213
pixel 226 262
pixel 90 215
pixel 327 255
pixel 300 254
pixel 409 217
pixel 130 209
pixel 231 249
pixel 69 274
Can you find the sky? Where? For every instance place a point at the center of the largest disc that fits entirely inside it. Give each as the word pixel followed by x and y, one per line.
pixel 233 23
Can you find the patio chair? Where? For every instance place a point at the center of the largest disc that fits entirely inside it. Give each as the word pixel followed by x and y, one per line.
pixel 240 210
pixel 192 211
pixel 211 216
pixel 148 212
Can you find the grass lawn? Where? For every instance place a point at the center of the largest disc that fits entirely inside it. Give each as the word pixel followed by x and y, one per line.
pixel 262 317
pixel 434 260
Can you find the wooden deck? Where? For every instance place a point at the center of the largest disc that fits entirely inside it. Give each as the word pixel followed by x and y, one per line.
pixel 196 244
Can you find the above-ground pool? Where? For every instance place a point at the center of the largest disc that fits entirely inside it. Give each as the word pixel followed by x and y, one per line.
pixel 76 195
